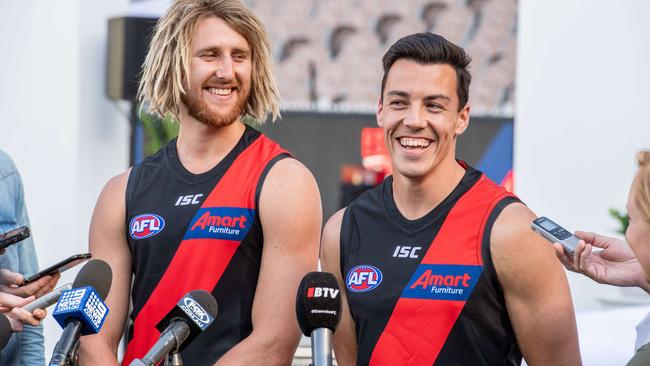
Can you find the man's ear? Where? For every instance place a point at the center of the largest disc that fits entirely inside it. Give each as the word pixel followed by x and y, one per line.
pixel 463 120
pixel 380 109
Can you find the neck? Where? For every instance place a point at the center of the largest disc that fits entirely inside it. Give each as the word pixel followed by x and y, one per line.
pixel 415 197
pixel 200 147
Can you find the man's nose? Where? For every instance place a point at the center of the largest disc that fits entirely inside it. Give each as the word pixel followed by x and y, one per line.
pixel 224 70
pixel 415 117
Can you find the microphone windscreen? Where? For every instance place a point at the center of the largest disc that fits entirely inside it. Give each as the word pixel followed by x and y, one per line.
pixel 206 300
pixel 197 309
pixel 95 273
pixel 5 331
pixel 318 302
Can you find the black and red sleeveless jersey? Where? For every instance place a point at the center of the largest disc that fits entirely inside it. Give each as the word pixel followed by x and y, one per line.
pixel 425 291
pixel 197 231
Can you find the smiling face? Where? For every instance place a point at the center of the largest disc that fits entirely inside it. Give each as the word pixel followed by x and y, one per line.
pixel 220 73
pixel 420 116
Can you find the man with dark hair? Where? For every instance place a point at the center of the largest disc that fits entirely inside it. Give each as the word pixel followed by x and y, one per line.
pixel 438 263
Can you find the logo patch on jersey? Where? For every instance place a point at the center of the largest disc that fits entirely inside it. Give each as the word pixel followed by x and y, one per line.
pixel 442 282
pixel 145 225
pixel 363 278
pixel 227 223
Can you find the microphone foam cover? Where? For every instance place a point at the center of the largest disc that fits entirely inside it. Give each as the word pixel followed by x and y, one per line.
pixel 95 273
pixel 318 302
pixel 5 331
pixel 206 300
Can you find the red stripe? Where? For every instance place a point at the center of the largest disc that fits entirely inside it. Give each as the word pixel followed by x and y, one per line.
pixel 200 263
pixel 418 328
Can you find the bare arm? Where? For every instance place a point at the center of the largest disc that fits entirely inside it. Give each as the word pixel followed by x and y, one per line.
pixel 536 290
pixel 344 339
pixel 290 211
pixel 108 242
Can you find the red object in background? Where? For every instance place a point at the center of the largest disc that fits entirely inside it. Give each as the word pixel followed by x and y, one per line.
pixel 374 154
pixel 508 181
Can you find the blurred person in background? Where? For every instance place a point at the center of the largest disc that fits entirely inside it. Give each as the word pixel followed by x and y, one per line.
pixel 25 348
pixel 438 263
pixel 221 208
pixel 621 263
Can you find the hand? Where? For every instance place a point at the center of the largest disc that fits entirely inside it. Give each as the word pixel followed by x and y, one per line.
pixel 615 265
pixel 18 317
pixel 9 301
pixel 10 283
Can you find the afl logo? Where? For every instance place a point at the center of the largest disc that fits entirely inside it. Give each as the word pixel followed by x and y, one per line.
pixel 363 278
pixel 146 225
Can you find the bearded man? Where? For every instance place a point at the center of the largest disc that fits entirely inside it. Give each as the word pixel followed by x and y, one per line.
pixel 221 208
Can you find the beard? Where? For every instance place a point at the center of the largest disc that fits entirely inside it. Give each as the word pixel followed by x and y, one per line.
pixel 198 109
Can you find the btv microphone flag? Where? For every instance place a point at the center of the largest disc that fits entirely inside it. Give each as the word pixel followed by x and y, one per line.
pixel 318 303
pixel 84 304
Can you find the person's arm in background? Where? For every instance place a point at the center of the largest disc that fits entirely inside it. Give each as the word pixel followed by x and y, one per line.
pixel 615 265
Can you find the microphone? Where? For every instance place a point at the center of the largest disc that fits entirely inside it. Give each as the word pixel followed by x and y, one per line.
pixel 318 308
pixel 81 310
pixel 48 299
pixel 193 313
pixel 5 331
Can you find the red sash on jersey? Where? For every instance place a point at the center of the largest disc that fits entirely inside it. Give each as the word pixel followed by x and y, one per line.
pixel 418 327
pixel 199 262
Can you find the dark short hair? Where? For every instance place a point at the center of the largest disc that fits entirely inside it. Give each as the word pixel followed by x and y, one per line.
pixel 429 48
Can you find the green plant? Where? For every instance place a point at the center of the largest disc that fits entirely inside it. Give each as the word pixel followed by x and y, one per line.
pixel 622 218
pixel 157 131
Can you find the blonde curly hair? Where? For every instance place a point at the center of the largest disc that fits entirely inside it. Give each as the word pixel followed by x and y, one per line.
pixel 166 68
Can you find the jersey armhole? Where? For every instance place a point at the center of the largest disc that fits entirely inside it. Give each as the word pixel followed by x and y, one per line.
pixel 131 187
pixel 260 182
pixel 345 228
pixel 486 254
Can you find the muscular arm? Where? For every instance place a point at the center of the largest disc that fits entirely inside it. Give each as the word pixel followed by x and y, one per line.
pixel 536 290
pixel 108 242
pixel 290 211
pixel 344 339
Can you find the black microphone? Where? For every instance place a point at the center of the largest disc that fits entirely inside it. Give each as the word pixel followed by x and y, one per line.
pixel 192 314
pixel 5 331
pixel 318 308
pixel 81 311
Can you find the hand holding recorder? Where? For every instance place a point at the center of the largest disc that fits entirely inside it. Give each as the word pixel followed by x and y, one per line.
pixel 615 265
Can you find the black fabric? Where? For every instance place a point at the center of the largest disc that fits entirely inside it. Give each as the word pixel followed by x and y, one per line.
pixel 371 229
pixel 483 327
pixel 154 187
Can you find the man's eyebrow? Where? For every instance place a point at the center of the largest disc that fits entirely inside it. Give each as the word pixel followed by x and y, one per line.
pixel 218 50
pixel 397 93
pixel 437 96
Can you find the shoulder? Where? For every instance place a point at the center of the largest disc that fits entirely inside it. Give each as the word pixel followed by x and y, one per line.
pixel 519 254
pixel 7 166
pixel 330 243
pixel 286 175
pixel 113 194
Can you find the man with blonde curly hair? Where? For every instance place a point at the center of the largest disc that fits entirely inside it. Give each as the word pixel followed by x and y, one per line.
pixel 221 208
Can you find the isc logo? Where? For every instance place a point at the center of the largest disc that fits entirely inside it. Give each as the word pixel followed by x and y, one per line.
pixel 322 292
pixel 363 278
pixel 406 252
pixel 192 199
pixel 146 225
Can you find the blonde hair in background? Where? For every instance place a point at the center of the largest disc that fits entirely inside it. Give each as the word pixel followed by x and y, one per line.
pixel 642 184
pixel 166 68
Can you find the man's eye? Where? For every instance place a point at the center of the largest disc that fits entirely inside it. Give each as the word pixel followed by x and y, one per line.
pixel 397 103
